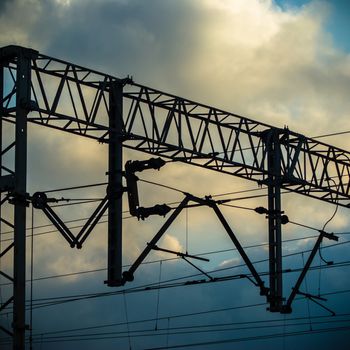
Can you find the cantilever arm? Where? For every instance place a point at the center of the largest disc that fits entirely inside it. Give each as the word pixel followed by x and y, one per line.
pixel 129 275
pixel 182 255
pixel 59 224
pixel 263 290
pixel 40 201
pixel 287 307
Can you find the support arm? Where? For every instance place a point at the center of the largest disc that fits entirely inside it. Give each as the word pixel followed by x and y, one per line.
pixel 128 276
pixel 40 201
pixel 287 307
pixel 259 281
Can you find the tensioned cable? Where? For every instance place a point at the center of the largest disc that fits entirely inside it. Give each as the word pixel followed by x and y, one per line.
pixel 192 314
pixel 151 333
pixel 162 185
pixel 252 338
pixel 44 302
pixel 332 134
pixel 215 195
pixel 158 295
pixel 31 282
pixel 75 187
pixel 200 254
pixel 320 247
pixel 150 287
pixel 307 292
pixel 100 336
pixel 170 203
pixel 175 258
pixel 186 230
pixel 128 217
pixel 248 338
pixel 127 320
pixel 199 326
pixel 187 330
pixel 181 278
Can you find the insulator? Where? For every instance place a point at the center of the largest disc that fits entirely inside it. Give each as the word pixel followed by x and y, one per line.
pixel 128 276
pixel 140 165
pixel 39 200
pixel 284 219
pixel 261 210
pixel 159 209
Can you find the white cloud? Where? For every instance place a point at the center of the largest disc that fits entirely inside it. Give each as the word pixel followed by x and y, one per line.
pixel 230 262
pixel 169 242
pixel 248 57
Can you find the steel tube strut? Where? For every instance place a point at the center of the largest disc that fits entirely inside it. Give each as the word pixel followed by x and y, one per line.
pixel 259 281
pixel 274 219
pixel 287 307
pixel 23 83
pixel 115 184
pixel 129 275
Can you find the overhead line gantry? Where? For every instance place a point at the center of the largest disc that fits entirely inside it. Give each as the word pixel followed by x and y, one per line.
pixel 50 92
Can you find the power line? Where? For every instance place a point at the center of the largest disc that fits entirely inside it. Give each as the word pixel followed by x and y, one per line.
pixel 127 211
pixel 75 187
pixel 175 258
pixel 240 207
pixel 52 301
pixel 258 337
pixel 215 342
pixel 171 203
pixel 148 287
pixel 82 337
pixel 332 134
pixel 189 326
pixel 185 330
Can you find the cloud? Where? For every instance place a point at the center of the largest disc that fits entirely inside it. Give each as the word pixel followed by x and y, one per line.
pixel 277 65
pixel 230 262
pixel 169 242
pixel 273 64
pixel 252 58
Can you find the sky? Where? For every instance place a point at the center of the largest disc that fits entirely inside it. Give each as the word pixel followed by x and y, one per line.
pixel 282 62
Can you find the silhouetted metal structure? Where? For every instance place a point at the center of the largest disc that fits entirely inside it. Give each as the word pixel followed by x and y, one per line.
pixel 39 89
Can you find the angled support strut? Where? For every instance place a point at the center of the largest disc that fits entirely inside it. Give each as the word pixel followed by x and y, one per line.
pixel 40 201
pixel 287 307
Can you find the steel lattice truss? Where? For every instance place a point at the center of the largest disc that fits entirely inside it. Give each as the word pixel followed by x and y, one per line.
pixel 75 99
pixel 46 91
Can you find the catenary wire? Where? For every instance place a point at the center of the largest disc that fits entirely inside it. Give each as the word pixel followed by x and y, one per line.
pixel 160 332
pixel 253 338
pixel 52 301
pixel 193 326
pixel 258 245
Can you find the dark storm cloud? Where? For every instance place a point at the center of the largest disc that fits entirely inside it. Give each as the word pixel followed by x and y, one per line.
pixel 3 5
pixel 174 45
pixel 121 37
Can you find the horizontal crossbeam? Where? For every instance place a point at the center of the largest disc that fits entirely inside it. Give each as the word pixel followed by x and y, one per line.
pixel 74 99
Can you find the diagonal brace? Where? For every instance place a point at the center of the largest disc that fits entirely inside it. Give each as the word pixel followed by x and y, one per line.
pixel 197 268
pixel 60 225
pixel 259 281
pixel 7 249
pixel 40 200
pixel 6 331
pixel 91 223
pixel 8 302
pixel 313 299
pixel 155 247
pixel 128 276
pixel 287 307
